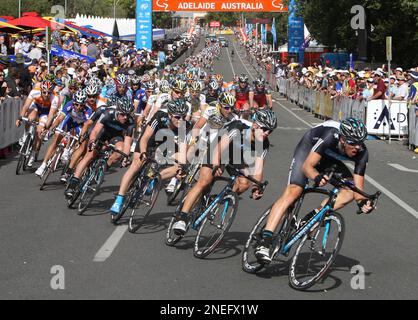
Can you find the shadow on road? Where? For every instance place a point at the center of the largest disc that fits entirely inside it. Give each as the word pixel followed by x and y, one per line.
pixel 328 283
pixel 155 222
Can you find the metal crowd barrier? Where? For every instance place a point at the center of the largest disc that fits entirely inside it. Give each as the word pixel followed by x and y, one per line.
pixel 376 114
pixel 9 112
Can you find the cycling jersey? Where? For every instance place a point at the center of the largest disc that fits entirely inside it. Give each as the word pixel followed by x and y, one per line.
pixel 160 124
pixel 141 97
pixel 324 140
pixel 210 98
pixel 112 128
pixel 243 150
pixel 43 105
pixel 260 96
pixel 74 119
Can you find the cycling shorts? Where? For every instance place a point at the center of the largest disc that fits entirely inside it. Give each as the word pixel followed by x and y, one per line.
pixel 239 105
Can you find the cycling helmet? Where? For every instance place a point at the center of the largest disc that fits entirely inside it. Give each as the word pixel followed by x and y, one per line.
pixel 124 105
pixel 135 80
pixel 177 108
pixel 219 77
pixel 217 121
pixel 80 97
pixel 260 81
pixel 265 118
pixel 92 90
pixel 353 130
pixel 150 86
pixel 213 85
pixel 243 78
pixel 164 86
pixel 179 85
pixel 227 98
pixel 72 84
pixel 121 80
pixel 95 81
pixel 47 85
pixel 190 76
pixel 195 86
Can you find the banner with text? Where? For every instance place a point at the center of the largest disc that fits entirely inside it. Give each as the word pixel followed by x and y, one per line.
pixel 296 30
pixel 143 38
pixel 220 5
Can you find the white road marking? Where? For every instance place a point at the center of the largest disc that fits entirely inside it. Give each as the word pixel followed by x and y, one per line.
pixel 291 128
pixel 402 168
pixel 107 249
pixel 230 62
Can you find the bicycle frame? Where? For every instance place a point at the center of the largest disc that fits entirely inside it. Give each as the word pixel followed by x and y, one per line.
pixel 228 188
pixel 318 217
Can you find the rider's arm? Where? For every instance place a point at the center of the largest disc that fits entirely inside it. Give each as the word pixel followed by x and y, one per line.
pixel 269 101
pixel 57 121
pixel 309 165
pixel 219 149
pixel 51 115
pixel 251 99
pixel 96 130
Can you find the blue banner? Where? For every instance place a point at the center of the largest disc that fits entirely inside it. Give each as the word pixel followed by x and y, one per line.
pixel 296 33
pixel 273 31
pixel 59 52
pixel 143 38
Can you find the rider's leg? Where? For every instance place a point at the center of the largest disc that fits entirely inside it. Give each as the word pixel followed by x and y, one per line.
pixel 52 147
pixel 115 157
pixel 78 154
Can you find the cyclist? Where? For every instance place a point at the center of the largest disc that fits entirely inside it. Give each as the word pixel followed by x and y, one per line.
pixel 212 92
pixel 316 152
pixel 245 139
pixel 166 124
pixel 260 95
pixel 92 92
pixel 116 127
pixel 242 93
pixel 41 104
pixel 72 117
pixel 196 100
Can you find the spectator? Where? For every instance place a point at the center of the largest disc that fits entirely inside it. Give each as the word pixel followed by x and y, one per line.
pixel 379 93
pixel 368 92
pixel 3 47
pixel 92 50
pixel 36 52
pixel 18 46
pixel 56 38
pixel 3 86
pixel 403 90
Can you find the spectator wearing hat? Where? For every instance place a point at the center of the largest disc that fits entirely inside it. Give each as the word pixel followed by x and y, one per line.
pixel 18 46
pixel 3 47
pixel 403 89
pixel 379 92
pixel 393 87
pixel 399 72
pixel 36 52
pixel 368 92
pixel 83 47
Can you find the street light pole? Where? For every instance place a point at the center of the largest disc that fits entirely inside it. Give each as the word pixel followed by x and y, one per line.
pixel 20 7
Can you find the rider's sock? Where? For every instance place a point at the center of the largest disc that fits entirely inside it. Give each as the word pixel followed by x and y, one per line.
pixel 184 216
pixel 267 238
pixel 119 199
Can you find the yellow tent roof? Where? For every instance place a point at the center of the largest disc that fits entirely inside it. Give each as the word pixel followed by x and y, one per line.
pixel 8 25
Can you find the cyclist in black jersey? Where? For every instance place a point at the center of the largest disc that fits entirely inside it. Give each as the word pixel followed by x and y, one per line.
pixel 317 151
pixel 116 127
pixel 164 127
pixel 243 138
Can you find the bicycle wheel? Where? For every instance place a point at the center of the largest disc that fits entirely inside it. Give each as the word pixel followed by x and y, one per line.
pixel 144 203
pixel 130 200
pixel 250 263
pixel 91 188
pixel 316 252
pixel 21 163
pixel 171 197
pixel 52 165
pixel 77 192
pixel 215 225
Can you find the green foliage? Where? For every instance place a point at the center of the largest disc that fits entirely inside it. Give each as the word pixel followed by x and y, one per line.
pixel 329 23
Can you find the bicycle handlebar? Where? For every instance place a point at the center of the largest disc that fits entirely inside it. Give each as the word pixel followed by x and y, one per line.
pixel 66 134
pixel 113 148
pixel 29 121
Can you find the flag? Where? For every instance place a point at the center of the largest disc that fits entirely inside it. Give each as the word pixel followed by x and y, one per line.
pixel 273 31
pixel 263 33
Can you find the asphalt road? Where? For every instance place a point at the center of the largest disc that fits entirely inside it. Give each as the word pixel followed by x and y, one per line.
pixel 38 232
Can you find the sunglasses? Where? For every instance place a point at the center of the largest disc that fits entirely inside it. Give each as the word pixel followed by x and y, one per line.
pixel 178 92
pixel 92 96
pixel 76 104
pixel 178 117
pixel 125 115
pixel 45 92
pixel 226 106
pixel 266 130
pixel 354 144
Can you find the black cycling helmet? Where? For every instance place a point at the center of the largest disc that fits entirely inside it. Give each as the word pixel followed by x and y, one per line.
pixel 353 130
pixel 217 121
pixel 243 78
pixel 124 105
pixel 177 108
pixel 265 118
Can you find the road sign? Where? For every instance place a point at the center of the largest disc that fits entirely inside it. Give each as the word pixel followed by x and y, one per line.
pixel 389 48
pixel 143 38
